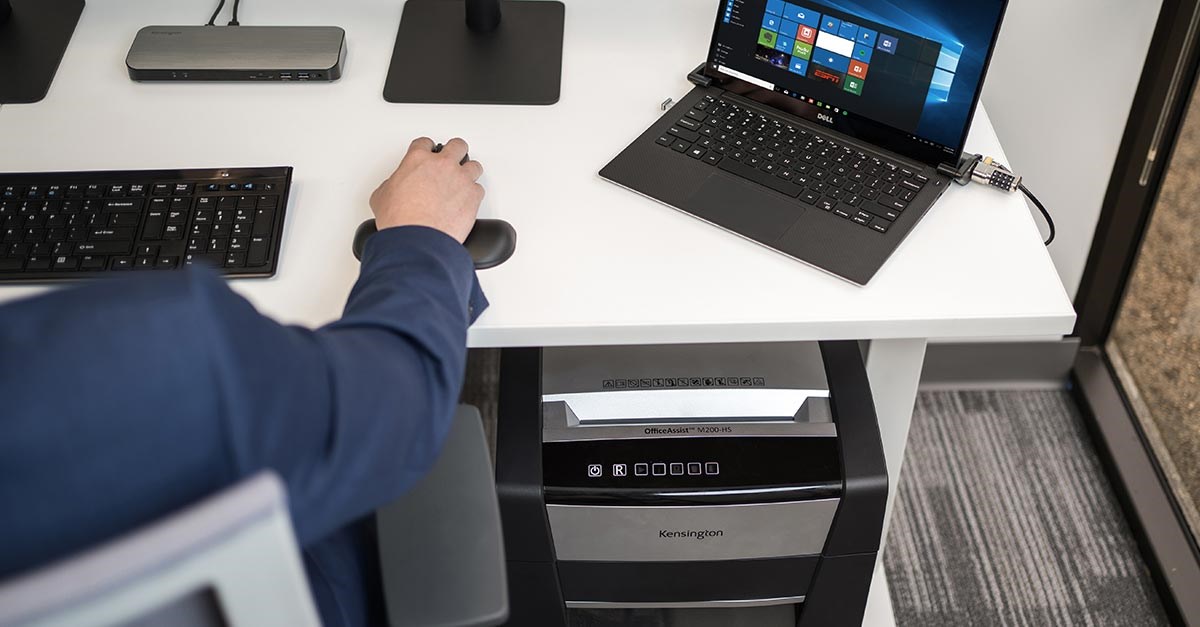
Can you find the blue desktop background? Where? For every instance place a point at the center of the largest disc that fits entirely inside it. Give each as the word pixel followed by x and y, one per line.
pixel 958 26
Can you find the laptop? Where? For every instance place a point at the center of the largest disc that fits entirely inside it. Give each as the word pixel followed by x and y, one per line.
pixel 817 127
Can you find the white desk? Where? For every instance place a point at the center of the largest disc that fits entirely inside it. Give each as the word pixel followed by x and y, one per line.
pixel 595 264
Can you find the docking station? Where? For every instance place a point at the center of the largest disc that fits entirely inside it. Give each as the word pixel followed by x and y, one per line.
pixel 237 53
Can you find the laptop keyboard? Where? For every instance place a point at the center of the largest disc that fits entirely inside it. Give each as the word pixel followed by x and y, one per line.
pixel 817 170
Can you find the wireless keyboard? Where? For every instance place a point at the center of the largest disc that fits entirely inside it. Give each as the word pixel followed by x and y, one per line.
pixel 69 225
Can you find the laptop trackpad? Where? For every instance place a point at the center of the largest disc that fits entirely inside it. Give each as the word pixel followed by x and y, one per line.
pixel 743 208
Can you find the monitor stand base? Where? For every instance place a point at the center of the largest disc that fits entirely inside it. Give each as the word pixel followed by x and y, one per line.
pixel 437 59
pixel 32 42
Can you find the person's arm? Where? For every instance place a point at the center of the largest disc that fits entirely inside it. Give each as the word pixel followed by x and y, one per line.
pixel 128 399
pixel 350 415
pixel 354 413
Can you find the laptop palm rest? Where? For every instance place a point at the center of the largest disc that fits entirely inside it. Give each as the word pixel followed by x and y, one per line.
pixel 743 208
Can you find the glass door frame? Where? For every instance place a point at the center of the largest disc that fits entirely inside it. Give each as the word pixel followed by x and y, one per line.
pixel 1164 92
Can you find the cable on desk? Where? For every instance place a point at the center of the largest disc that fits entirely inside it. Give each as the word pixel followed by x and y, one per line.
pixel 212 20
pixel 1045 214
pixel 234 21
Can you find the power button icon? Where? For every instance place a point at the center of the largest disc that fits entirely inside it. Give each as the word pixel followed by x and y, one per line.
pixel 595 470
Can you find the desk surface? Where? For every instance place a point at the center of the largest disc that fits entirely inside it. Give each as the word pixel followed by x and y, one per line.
pixel 595 264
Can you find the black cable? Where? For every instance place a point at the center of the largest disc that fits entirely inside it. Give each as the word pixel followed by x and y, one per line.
pixel 212 20
pixel 1045 214
pixel 234 21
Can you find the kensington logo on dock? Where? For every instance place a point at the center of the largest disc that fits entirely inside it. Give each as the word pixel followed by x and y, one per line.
pixel 684 382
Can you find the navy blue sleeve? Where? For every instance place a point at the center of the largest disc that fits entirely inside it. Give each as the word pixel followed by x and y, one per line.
pixel 351 414
pixel 125 399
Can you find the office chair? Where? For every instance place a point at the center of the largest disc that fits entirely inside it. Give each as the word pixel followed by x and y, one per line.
pixel 231 560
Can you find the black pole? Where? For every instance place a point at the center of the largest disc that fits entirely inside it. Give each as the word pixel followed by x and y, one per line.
pixel 5 10
pixel 483 16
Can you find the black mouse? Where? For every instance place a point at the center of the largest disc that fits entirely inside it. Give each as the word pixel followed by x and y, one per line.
pixel 490 243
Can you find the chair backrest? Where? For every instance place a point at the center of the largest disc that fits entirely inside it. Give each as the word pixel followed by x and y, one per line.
pixel 230 560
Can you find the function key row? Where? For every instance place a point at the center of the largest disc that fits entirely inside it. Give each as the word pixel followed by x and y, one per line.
pixel 126 190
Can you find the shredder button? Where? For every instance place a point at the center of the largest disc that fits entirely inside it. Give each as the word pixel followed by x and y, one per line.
pixel 677 469
pixel 712 468
pixel 641 470
pixel 693 468
pixel 660 470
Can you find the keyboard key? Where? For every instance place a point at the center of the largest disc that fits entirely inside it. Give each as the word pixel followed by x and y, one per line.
pixel 106 234
pixel 166 263
pixel 122 263
pixel 103 248
pixel 880 226
pixel 883 212
pixel 841 212
pixel 696 152
pixel 38 263
pixel 911 185
pixel 712 158
pixel 892 203
pixel 11 264
pixel 685 135
pixel 123 218
pixel 161 189
pixel 235 259
pixel 64 264
pixel 92 262
pixel 680 146
pixel 257 255
pixel 143 263
pixel 155 221
pixel 128 204
pixel 690 125
pixel 664 140
pixel 210 259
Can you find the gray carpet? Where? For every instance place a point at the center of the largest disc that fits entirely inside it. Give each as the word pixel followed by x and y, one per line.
pixel 1004 518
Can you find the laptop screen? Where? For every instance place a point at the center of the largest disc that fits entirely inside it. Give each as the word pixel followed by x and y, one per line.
pixel 903 75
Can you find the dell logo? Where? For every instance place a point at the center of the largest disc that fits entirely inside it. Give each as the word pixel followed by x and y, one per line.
pixel 825 117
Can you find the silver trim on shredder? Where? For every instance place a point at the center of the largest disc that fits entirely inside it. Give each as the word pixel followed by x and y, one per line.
pixel 559 424
pixel 631 533
pixel 602 605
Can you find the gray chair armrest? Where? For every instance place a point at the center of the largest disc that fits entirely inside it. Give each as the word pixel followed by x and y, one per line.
pixel 440 546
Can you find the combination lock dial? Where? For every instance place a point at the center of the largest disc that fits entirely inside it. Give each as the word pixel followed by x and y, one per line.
pixel 991 173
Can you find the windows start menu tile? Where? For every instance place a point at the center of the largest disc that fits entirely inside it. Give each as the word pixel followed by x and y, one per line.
pixel 875 70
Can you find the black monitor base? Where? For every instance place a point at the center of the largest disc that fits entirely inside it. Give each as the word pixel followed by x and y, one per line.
pixel 437 59
pixel 32 42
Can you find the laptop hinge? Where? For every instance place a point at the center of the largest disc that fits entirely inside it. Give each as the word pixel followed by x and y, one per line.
pixel 960 173
pixel 698 78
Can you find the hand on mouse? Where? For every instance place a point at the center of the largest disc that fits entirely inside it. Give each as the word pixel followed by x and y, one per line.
pixel 431 189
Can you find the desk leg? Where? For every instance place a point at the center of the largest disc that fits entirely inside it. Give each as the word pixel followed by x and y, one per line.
pixel 894 370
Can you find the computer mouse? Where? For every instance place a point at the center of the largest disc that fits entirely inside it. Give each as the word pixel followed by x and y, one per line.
pixel 490 243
